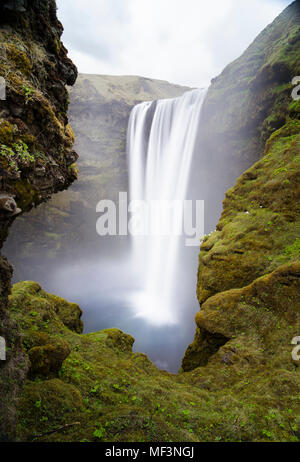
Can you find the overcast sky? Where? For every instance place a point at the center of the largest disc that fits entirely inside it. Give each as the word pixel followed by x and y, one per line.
pixel 183 41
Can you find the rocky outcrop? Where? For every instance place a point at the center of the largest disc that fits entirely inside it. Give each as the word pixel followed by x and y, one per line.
pixel 14 369
pixel 36 147
pixel 93 387
pixel 251 326
pixel 259 228
pixel 36 140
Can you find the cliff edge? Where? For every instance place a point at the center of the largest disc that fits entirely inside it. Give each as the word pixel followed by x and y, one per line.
pixel 36 147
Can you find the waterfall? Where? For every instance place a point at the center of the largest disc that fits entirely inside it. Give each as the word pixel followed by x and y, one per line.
pixel 160 144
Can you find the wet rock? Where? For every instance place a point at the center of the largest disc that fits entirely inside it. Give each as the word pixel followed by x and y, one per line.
pixel 16 111
pixel 15 5
pixel 8 205
pixel 40 171
pixel 71 157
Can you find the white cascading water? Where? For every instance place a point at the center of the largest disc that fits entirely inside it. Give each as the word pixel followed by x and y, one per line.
pixel 160 143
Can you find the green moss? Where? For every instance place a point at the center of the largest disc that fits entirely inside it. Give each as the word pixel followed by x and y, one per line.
pixel 32 339
pixel 103 385
pixel 46 360
pixel 28 92
pixel 294 108
pixel 69 313
pixel 293 250
pixel 26 194
pixel 40 402
pixel 18 59
pixel 16 156
pixel 6 132
pixel 74 170
pixel 260 219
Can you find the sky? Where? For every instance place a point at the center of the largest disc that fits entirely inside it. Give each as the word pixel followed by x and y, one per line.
pixel 187 42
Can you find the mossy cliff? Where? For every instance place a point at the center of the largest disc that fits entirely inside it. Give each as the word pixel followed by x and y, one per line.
pixel 249 100
pixel 259 227
pixel 246 103
pixel 36 146
pixel 239 380
pixel 36 154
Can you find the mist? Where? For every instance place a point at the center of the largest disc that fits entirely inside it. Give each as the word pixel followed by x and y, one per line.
pixel 99 273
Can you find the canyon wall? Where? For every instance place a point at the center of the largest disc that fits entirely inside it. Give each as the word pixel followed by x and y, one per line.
pixel 239 380
pixel 36 153
pixel 251 115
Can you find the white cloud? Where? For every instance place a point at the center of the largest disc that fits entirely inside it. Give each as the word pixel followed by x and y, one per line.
pixel 183 41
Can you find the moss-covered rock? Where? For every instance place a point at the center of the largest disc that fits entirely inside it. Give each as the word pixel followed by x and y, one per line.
pixel 267 311
pixel 36 153
pixel 34 113
pixel 259 226
pixel 248 276
pixel 69 313
pixel 46 360
pixel 249 100
pixel 247 389
pixel 50 308
pixel 40 402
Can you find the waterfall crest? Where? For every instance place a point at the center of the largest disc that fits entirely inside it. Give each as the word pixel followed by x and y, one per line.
pixel 160 144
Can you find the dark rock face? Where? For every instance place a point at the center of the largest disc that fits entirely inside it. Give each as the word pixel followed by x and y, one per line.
pixel 36 148
pixel 13 370
pixel 36 153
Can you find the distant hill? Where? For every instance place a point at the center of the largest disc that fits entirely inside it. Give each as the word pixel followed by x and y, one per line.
pixel 128 89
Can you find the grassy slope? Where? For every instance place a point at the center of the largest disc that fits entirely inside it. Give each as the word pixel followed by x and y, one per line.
pixel 129 89
pixel 260 227
pixel 250 391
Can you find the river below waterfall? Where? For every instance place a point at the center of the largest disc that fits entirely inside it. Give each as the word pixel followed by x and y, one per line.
pixel 104 290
